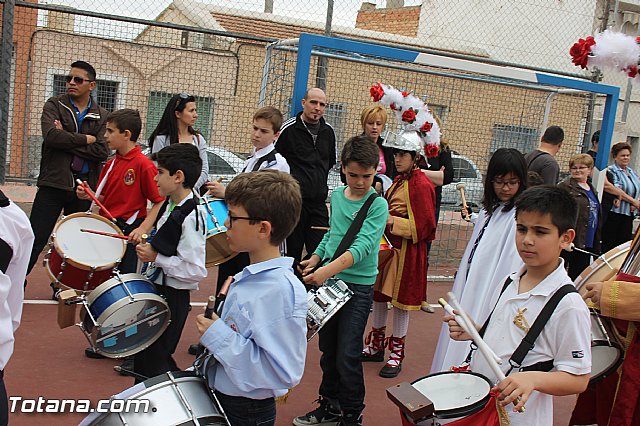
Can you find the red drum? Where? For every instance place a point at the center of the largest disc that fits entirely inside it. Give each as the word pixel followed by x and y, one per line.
pixel 80 260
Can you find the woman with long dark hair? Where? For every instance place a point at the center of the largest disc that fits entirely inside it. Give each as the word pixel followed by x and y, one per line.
pixel 491 253
pixel 176 126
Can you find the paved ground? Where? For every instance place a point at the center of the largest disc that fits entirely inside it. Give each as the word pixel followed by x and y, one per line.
pixel 49 362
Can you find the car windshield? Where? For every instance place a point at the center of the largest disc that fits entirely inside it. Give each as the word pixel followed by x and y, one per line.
pixel 219 166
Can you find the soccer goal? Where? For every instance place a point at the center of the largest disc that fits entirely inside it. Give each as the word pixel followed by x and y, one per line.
pixel 483 105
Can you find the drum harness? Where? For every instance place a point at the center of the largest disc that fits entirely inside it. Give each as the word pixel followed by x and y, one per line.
pixel 6 252
pixel 269 157
pixel 167 237
pixel 528 342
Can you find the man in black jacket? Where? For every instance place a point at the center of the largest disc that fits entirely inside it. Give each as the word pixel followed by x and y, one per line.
pixel 73 147
pixel 308 144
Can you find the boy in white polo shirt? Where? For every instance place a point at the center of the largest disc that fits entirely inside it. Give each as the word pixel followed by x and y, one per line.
pixel 545 217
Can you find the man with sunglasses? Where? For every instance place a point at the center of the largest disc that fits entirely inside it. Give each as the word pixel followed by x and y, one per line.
pixel 308 143
pixel 73 147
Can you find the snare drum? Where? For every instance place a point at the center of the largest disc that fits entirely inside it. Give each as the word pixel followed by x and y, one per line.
pixel 607 353
pixel 324 302
pixel 603 268
pixel 124 315
pixel 174 398
pixel 454 395
pixel 217 247
pixel 80 260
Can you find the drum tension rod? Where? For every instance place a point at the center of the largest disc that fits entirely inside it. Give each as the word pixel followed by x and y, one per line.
pixel 183 398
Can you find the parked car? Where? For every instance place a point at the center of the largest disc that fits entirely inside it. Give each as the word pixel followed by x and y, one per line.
pixel 222 163
pixel 465 171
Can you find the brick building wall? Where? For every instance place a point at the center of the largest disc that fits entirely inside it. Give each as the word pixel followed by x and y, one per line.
pixel 401 21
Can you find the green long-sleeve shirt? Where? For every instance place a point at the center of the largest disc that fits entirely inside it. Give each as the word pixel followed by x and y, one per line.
pixel 366 244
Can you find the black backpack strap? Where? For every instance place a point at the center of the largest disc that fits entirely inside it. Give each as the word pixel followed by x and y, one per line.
pixel 482 330
pixel 528 342
pixel 353 230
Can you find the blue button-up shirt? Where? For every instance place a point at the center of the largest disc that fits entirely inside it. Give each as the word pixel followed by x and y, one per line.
pixel 260 342
pixel 629 182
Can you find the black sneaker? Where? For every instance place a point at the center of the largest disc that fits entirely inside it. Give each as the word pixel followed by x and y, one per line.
pixel 126 368
pixel 325 414
pixel 55 292
pixel 350 419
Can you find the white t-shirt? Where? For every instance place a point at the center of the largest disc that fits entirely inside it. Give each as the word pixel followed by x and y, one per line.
pixel 566 338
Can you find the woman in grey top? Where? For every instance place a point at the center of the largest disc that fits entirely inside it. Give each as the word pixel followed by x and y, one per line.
pixel 176 126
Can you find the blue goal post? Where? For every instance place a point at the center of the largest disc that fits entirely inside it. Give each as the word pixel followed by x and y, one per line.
pixel 308 42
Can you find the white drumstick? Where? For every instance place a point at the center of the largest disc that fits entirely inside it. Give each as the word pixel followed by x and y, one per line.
pixel 470 329
pixel 482 345
pixel 460 187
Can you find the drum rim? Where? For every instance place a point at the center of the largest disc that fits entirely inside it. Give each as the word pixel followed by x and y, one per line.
pixel 112 282
pixel 621 251
pixel 93 334
pixel 613 367
pixel 465 410
pixel 85 266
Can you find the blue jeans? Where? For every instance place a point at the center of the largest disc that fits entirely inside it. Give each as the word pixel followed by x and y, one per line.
pixel 341 346
pixel 242 411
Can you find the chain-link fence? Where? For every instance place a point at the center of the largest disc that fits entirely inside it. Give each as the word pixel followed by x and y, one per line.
pixel 144 52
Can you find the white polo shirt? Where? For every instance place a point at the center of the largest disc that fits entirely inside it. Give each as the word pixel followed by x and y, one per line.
pixel 566 338
pixel 15 230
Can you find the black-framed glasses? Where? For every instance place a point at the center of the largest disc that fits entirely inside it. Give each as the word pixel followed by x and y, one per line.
pixel 506 183
pixel 249 218
pixel 76 80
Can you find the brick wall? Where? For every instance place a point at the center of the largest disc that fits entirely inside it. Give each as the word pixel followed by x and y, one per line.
pixel 402 21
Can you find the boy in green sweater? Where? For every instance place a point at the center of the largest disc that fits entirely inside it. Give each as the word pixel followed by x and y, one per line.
pixel 342 388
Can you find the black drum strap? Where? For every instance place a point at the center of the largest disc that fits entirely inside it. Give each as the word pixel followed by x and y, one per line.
pixel 6 252
pixel 528 342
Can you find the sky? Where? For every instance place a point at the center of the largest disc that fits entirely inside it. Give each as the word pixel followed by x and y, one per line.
pixel 345 11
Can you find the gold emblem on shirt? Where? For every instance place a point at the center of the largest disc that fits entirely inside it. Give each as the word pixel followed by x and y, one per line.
pixel 129 177
pixel 520 321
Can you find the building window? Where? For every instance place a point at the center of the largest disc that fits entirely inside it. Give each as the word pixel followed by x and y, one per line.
pixel 106 93
pixel 158 101
pixel 524 139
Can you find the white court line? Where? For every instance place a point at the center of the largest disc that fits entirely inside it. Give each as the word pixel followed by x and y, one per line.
pixel 53 302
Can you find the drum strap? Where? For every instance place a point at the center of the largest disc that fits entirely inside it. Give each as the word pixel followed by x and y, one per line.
pixel 168 235
pixel 269 157
pixel 6 252
pixel 351 233
pixel 528 342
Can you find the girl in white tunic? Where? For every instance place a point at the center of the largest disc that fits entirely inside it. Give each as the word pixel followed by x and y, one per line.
pixel 491 253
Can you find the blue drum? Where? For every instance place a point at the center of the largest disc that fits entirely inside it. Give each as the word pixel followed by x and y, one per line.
pixel 124 315
pixel 217 247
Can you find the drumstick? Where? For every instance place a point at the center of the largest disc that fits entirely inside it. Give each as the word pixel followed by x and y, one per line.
pixel 482 346
pixel 460 187
pixel 139 265
pixel 469 328
pixel 106 234
pixel 95 200
pixel 320 228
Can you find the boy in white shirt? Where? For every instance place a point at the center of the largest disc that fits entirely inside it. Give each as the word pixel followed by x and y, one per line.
pixel 545 217
pixel 177 250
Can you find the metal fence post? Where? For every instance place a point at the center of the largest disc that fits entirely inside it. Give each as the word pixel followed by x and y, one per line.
pixel 6 54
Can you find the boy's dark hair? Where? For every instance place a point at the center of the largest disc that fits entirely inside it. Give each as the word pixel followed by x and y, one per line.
pixel 86 66
pixel 554 135
pixel 272 115
pixel 502 162
pixel 554 200
pixel 126 119
pixel 180 156
pixel 361 149
pixel 270 195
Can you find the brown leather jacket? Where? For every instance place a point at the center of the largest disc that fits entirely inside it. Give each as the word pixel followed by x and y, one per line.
pixel 580 195
pixel 59 146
